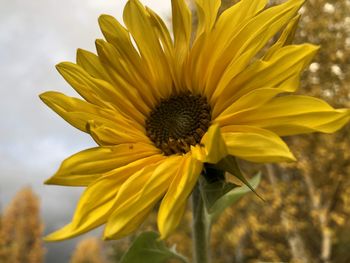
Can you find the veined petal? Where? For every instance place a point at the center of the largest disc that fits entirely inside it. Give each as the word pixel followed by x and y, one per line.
pixel 207 12
pixel 235 16
pixel 286 63
pixel 227 26
pixel 175 62
pixel 252 37
pixel 84 167
pixel 119 37
pixel 252 100
pixel 97 201
pixel 98 91
pixel 197 63
pixel 162 32
pixel 290 115
pixel 92 64
pixel 89 88
pixel 75 111
pixel 137 21
pixel 286 37
pixel 174 202
pixel 255 144
pixel 182 24
pixel 213 149
pixel 138 195
pixel 182 28
pixel 194 73
pixel 125 77
pixel 255 99
pixel 107 133
pixel 273 19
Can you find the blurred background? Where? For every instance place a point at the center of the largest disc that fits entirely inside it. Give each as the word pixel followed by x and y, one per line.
pixel 306 216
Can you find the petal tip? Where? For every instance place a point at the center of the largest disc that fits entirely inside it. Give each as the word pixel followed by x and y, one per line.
pixel 43 96
pixel 51 181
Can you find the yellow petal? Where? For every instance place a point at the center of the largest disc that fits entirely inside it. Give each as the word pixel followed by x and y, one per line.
pixel 75 111
pixel 213 148
pixel 175 62
pixel 203 45
pixel 174 202
pixel 286 63
pixel 162 32
pixel 290 115
pixel 98 200
pixel 98 91
pixel 182 26
pixel 273 19
pixel 93 208
pixel 199 153
pixel 252 37
pixel 84 167
pixel 286 37
pixel 92 64
pixel 236 15
pixel 119 37
pixel 228 25
pixel 125 77
pixel 254 99
pixel 194 68
pixel 138 195
pixel 255 144
pixel 107 133
pixel 138 22
pixel 206 12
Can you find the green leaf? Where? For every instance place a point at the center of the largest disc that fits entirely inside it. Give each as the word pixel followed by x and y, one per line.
pixel 147 248
pixel 231 197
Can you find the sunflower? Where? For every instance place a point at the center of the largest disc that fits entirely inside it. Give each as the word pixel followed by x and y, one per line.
pixel 161 106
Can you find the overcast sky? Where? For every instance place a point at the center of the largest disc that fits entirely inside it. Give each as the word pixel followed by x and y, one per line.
pixel 34 36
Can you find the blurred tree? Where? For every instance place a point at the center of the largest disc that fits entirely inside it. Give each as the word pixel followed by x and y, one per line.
pixel 2 250
pixel 21 230
pixel 89 251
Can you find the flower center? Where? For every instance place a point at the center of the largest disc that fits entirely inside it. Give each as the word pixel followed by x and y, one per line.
pixel 178 122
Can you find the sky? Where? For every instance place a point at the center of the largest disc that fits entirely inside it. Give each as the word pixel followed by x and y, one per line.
pixel 34 36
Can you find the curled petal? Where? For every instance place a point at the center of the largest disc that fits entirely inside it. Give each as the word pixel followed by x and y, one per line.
pixel 97 202
pixel 138 196
pixel 212 148
pixel 174 202
pixel 82 168
pixel 256 144
pixel 291 115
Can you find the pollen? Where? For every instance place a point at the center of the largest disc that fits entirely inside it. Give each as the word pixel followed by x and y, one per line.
pixel 178 122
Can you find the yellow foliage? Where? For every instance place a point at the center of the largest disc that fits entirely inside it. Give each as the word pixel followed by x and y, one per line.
pixel 21 230
pixel 88 251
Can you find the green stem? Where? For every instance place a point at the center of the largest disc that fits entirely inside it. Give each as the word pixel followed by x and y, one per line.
pixel 200 228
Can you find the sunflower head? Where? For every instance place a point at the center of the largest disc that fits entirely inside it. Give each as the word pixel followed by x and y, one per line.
pixel 178 122
pixel 161 107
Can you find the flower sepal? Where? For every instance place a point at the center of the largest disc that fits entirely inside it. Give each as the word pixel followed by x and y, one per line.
pixel 220 195
pixel 213 185
pixel 217 193
pixel 229 164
